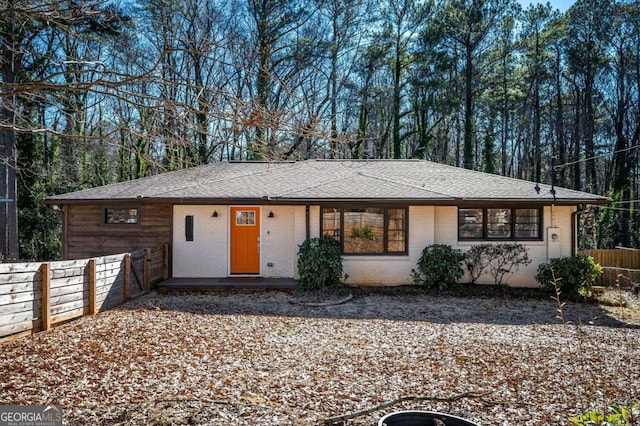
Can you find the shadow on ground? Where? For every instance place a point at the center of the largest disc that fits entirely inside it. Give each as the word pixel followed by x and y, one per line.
pixel 404 306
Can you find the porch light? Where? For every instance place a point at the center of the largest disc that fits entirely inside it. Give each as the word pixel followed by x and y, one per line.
pixel 271 214
pixel 215 213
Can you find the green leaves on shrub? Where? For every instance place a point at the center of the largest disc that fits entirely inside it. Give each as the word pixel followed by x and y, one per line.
pixel 574 275
pixel 619 416
pixel 439 265
pixel 319 263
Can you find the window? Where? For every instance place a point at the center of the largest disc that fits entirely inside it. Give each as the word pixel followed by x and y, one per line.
pixel 527 223
pixel 499 224
pixel 470 224
pixel 120 216
pixel 363 230
pixel 245 218
pixel 367 230
pixel 397 231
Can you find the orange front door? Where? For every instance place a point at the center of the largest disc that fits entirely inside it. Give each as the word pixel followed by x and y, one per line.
pixel 245 240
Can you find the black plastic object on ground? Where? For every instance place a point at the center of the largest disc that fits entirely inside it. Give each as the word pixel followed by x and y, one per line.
pixel 423 418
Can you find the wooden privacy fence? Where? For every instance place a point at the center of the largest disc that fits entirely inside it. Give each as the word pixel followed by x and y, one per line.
pixel 36 296
pixel 621 266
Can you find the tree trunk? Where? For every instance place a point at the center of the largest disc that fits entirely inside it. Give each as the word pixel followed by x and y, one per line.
pixel 467 150
pixel 8 197
pixel 397 71
pixel 621 179
pixel 559 123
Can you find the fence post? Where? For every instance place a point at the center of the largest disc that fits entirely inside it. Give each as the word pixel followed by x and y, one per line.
pixel 92 286
pixel 147 269
pixel 45 296
pixel 127 275
pixel 165 262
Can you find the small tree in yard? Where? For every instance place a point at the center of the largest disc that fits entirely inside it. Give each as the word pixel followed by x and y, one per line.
pixel 477 261
pixel 498 259
pixel 506 259
pixel 319 263
pixel 439 265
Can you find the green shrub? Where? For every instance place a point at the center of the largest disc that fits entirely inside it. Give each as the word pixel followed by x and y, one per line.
pixel 439 265
pixel 574 275
pixel 319 263
pixel 618 416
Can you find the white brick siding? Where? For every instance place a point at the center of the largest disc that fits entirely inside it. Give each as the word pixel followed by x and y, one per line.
pixel 279 240
pixel 447 233
pixel 207 255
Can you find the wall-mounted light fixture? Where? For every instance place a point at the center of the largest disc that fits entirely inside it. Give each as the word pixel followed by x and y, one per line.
pixel 271 214
pixel 215 213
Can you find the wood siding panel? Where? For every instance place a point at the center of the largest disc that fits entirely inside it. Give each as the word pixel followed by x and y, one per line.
pixel 87 236
pixel 35 296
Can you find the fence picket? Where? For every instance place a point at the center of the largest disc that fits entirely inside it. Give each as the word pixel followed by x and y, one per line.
pixel 35 296
pixel 621 266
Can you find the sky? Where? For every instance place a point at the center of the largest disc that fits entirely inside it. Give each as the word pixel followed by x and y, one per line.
pixel 562 5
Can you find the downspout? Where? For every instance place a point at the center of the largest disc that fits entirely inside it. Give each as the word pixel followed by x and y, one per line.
pixel 574 230
pixel 307 216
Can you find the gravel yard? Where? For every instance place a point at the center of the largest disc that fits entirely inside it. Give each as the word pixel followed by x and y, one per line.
pixel 256 358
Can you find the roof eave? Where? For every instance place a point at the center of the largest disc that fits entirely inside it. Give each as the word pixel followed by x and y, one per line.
pixel 446 201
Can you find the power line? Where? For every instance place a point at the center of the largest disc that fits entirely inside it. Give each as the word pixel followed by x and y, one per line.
pixel 625 202
pixel 595 157
pixel 613 208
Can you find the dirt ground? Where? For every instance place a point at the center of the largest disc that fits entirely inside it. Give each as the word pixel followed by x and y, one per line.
pixel 262 358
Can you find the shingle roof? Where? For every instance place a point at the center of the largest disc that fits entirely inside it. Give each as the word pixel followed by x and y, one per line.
pixel 329 180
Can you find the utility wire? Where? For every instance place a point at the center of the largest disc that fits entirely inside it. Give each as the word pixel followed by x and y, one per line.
pixel 595 157
pixel 625 202
pixel 613 208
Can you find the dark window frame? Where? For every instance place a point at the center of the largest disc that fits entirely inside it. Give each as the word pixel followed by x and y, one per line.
pixel 385 207
pixel 512 223
pixel 105 215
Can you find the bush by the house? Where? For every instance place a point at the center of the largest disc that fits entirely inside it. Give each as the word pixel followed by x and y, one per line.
pixel 574 275
pixel 439 265
pixel 496 259
pixel 319 263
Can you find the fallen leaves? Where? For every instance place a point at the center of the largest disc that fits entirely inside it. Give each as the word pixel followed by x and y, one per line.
pixel 255 358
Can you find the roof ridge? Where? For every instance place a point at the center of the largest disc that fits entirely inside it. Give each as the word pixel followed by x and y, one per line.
pixel 309 187
pixel 193 182
pixel 405 183
pixel 366 160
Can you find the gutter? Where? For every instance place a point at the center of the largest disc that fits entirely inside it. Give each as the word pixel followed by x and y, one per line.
pixel 279 200
pixel 307 217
